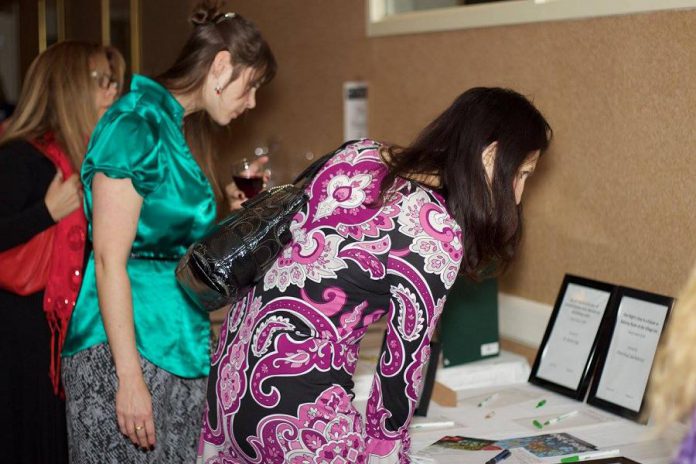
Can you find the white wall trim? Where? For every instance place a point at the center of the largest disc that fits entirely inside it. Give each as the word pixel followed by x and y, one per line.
pixel 505 13
pixel 522 320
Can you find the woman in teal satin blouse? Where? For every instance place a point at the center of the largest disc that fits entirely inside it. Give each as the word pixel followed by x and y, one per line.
pixel 137 351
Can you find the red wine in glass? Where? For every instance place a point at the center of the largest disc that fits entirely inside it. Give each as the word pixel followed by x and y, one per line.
pixel 250 185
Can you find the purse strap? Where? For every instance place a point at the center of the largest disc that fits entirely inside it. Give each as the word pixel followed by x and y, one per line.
pixel 308 174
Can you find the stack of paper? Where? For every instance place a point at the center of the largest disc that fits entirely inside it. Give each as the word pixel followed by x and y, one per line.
pixel 505 369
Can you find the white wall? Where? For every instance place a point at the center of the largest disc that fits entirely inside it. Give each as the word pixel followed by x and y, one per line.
pixel 522 320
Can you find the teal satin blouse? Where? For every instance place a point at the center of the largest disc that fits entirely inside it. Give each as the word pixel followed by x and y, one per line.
pixel 141 138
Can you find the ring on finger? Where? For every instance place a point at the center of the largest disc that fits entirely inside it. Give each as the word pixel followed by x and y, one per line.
pixel 138 428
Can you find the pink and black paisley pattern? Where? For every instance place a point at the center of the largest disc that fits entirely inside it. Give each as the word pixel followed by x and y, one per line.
pixel 280 383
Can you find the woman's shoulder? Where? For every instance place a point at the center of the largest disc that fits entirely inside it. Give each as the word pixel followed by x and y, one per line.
pixel 352 160
pixel 133 107
pixel 19 146
pixel 363 153
pixel 23 166
pixel 426 224
pixel 127 121
pixel 365 148
pixel 149 101
pixel 20 152
pixel 427 208
pixel 136 105
pixel 434 195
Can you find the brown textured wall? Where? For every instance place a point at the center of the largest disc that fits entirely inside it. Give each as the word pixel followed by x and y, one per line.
pixel 83 20
pixel 318 45
pixel 612 200
pixel 615 200
pixel 301 109
pixel 164 29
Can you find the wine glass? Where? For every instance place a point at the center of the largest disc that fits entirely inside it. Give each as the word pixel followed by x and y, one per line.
pixel 262 152
pixel 247 178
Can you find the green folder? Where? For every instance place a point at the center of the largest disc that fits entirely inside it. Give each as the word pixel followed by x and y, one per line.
pixel 469 323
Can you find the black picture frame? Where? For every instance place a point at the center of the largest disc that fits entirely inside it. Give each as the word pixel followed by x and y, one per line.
pixel 587 364
pixel 605 346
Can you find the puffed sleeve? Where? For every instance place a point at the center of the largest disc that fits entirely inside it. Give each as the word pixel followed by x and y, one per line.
pixel 424 261
pixel 125 146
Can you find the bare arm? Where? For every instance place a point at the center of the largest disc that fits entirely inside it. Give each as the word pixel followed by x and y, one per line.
pixel 115 220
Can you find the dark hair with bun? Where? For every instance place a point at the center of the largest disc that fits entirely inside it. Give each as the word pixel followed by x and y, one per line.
pixel 215 31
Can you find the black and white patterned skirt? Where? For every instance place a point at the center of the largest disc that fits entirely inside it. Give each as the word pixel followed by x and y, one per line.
pixel 93 434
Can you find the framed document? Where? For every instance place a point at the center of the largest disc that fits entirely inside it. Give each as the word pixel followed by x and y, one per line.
pixel 626 354
pixel 566 357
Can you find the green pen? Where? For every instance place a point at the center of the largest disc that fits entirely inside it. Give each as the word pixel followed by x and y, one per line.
pixel 592 455
pixel 554 420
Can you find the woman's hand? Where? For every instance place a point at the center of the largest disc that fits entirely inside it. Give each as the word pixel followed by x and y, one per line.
pixel 235 197
pixel 134 412
pixel 62 198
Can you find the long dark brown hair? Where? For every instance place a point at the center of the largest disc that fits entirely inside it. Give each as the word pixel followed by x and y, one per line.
pixel 451 148
pixel 215 31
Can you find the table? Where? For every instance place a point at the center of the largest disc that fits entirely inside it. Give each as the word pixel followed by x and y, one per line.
pixel 514 409
pixel 506 376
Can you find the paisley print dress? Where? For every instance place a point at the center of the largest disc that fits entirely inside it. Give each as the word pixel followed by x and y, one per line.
pixel 280 382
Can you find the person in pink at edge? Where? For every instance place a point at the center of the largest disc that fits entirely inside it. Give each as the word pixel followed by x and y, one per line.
pixel 384 234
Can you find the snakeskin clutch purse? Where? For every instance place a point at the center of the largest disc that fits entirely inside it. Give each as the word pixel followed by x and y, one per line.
pixel 221 268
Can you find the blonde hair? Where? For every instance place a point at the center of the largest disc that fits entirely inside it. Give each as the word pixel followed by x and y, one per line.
pixel 672 394
pixel 58 96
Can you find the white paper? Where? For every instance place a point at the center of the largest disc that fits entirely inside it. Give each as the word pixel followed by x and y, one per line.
pixel 614 432
pixel 583 418
pixel 445 456
pixel 354 110
pixel 504 369
pixel 362 385
pixel 631 352
pixel 505 397
pixel 568 348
